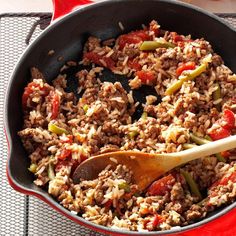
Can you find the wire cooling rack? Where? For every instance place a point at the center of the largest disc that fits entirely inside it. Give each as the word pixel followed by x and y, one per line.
pixel 24 215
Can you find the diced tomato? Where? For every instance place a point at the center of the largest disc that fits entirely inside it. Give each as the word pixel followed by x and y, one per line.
pixel 176 37
pixel 64 154
pixel 96 58
pixel 231 177
pixel 133 38
pixel 143 34
pixel 92 56
pixel 62 163
pixel 224 126
pixel 29 89
pixel 134 65
pixel 68 139
pixel 109 62
pixel 225 154
pixel 55 105
pixel 83 158
pixel 155 29
pixel 179 39
pixel 81 138
pixel 68 162
pixel 224 180
pixel 161 186
pixel 228 120
pixel 108 204
pixel 25 97
pixel 178 177
pixel 156 221
pixel 219 133
pixel 128 39
pixel 145 76
pixel 186 66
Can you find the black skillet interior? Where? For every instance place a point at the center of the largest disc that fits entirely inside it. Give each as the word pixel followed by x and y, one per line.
pixel 67 38
pixel 107 75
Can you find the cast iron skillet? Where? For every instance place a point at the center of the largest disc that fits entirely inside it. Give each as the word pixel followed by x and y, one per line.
pixel 67 36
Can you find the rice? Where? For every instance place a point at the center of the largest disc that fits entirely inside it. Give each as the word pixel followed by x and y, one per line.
pixel 121 26
pixel 110 53
pixel 102 121
pixel 113 160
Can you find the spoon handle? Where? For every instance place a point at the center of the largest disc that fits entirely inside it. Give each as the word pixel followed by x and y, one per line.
pixel 207 149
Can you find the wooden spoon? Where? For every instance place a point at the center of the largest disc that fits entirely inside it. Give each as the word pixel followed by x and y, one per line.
pixel 148 167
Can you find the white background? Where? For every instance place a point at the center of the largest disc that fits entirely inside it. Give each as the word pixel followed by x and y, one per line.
pixel 46 5
pixel 25 6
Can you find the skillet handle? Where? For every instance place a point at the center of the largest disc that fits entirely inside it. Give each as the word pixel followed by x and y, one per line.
pixel 63 7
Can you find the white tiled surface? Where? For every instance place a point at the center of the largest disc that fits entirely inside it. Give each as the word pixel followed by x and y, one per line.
pixel 46 5
pixel 25 6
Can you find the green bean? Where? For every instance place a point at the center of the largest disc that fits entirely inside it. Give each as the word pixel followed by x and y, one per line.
pixel 56 129
pixel 133 134
pixel 217 96
pixel 188 146
pixel 202 202
pixel 152 45
pixel 218 155
pixel 85 108
pixel 174 87
pixel 124 186
pixel 186 77
pixel 144 116
pixel 191 182
pixel 207 139
pixel 33 168
pixel 198 140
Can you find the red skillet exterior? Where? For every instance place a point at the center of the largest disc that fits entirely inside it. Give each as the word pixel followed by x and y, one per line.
pixel 61 7
pixel 223 225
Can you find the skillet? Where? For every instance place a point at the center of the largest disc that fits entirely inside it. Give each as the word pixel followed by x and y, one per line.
pixel 66 37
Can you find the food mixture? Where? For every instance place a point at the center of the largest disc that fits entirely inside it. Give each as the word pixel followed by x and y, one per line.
pixel 198 105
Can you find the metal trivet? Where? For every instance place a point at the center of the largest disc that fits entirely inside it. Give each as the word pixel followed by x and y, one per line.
pixel 23 215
